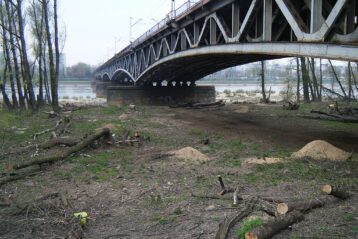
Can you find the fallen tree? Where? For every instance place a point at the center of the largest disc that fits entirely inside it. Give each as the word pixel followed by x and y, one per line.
pixel 63 155
pixel 46 145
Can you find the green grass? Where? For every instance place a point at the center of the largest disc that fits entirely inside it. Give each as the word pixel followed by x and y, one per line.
pixel 303 170
pixel 248 226
pixel 100 166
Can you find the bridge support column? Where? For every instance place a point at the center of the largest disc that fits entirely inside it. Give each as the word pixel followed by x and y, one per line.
pixel 119 95
pixel 165 50
pixel 213 30
pixel 267 17
pixel 316 15
pixel 235 18
pixel 183 42
pixel 172 42
pixel 196 32
pixel 101 88
pixel 349 21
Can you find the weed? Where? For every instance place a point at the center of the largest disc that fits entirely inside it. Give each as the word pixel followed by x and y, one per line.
pixel 178 211
pixel 163 221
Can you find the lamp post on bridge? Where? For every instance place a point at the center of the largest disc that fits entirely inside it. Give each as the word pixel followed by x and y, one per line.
pixel 131 25
pixel 173 10
pixel 116 40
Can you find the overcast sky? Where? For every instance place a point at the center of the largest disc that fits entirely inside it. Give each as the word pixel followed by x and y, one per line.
pixel 92 26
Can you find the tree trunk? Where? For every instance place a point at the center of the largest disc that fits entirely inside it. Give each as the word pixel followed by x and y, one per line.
pixel 298 81
pixel 39 36
pixel 7 57
pixel 25 63
pixel 263 82
pixel 305 80
pixel 45 76
pixel 5 97
pixel 320 77
pixel 314 79
pixel 350 88
pixel 53 77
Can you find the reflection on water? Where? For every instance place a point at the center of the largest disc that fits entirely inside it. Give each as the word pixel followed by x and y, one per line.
pixel 68 90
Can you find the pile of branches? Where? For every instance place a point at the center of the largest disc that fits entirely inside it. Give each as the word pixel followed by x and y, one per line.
pixel 52 212
pixel 346 114
pixel 283 212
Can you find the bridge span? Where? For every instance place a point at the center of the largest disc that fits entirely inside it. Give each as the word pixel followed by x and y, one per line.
pixel 205 36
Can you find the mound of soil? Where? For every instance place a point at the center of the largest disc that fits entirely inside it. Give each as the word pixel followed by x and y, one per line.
pixel 190 154
pixel 321 150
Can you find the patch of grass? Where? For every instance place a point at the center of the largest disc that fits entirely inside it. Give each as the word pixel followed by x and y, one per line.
pixel 248 226
pixel 304 170
pixel 349 217
pixel 197 133
pixel 100 165
pixel 354 230
pixel 163 221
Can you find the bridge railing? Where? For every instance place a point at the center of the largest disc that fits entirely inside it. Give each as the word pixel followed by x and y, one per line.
pixel 180 11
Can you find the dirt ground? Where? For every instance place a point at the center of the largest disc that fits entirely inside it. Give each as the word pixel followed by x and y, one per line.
pixel 140 192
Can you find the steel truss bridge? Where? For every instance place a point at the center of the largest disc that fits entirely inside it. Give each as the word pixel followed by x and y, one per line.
pixel 205 36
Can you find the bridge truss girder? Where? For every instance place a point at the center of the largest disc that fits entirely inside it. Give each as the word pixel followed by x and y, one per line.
pixel 222 33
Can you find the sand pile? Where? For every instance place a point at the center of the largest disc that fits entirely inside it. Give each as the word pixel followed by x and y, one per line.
pixel 189 154
pixel 321 150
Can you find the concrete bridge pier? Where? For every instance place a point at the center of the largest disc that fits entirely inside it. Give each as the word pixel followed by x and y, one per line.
pixel 159 95
pixel 100 88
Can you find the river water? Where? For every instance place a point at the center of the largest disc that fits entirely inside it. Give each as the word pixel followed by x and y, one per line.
pixel 78 90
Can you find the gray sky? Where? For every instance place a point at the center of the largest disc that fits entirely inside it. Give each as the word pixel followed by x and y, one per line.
pixel 92 25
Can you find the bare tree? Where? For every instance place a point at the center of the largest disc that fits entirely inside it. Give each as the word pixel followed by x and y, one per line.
pixel 26 74
pixel 54 63
pixel 337 79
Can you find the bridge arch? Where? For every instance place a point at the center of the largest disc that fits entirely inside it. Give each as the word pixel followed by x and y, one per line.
pixel 106 77
pixel 196 63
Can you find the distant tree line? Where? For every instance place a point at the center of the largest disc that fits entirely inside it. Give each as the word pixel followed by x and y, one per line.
pixel 39 17
pixel 80 71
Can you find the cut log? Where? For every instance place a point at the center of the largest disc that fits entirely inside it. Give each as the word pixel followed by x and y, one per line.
pixel 337 191
pixel 284 208
pixel 272 227
pixel 63 155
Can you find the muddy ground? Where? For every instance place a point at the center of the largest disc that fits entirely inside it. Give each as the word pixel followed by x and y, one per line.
pixel 139 192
